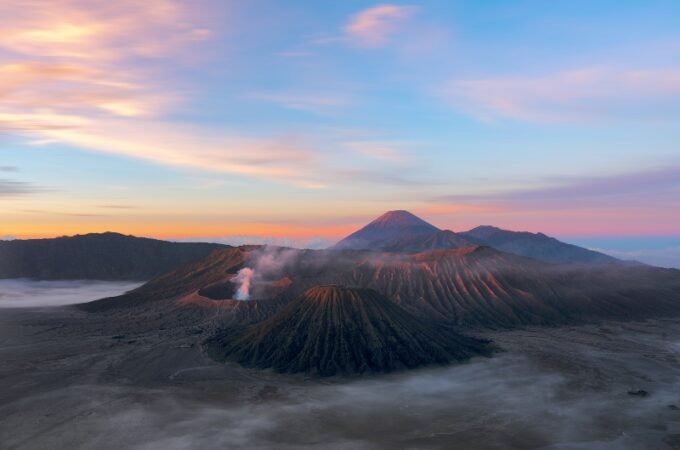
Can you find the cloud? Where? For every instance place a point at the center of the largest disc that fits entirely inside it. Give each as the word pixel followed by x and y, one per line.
pixel 316 103
pixel 10 188
pixel 314 243
pixel 117 206
pixel 663 257
pixel 98 30
pixel 660 186
pixel 86 74
pixel 384 151
pixel 93 75
pixel 8 169
pixel 374 27
pixel 645 202
pixel 579 95
pixel 27 294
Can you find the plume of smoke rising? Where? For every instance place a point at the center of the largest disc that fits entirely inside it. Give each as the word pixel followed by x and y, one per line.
pixel 243 279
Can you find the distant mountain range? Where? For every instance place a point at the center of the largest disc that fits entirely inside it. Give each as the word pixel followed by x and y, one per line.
pixel 401 231
pixel 113 256
pixel 105 256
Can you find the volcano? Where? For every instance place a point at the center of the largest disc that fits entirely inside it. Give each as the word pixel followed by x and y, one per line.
pixel 338 330
pixel 475 286
pixel 401 231
pixel 386 230
pixel 537 246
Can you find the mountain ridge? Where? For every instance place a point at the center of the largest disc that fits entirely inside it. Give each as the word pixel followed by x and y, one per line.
pixel 102 256
pixel 402 238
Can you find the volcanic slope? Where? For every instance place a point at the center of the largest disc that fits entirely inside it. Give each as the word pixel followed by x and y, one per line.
pixel 336 330
pixel 473 286
pixel 537 246
pixel 482 287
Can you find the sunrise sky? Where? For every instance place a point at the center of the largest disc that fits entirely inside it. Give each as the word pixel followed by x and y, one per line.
pixel 302 120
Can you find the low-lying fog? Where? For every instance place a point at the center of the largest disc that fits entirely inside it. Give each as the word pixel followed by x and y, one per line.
pixel 551 388
pixel 32 293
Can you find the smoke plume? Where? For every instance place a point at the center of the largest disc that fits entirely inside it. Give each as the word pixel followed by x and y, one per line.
pixel 243 279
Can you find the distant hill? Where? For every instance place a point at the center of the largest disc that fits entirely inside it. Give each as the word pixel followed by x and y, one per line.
pixel 105 256
pixel 536 245
pixel 336 330
pixel 401 231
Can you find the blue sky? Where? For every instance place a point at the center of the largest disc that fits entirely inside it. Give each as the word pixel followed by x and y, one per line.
pixel 302 120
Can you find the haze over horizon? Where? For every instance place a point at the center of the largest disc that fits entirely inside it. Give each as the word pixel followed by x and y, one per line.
pixel 302 122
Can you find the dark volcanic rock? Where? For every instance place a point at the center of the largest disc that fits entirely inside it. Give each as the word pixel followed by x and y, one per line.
pixel 332 330
pixel 638 393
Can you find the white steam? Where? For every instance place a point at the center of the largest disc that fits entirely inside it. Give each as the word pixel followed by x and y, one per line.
pixel 243 278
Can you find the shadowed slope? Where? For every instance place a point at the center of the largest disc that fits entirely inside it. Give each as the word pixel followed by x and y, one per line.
pixel 480 286
pixel 333 330
pixel 537 246
pixel 106 256
pixel 440 240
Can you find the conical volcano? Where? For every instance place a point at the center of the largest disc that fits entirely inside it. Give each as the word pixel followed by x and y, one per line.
pixel 386 229
pixel 332 330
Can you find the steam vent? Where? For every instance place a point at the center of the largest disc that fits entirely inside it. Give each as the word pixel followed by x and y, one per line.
pixel 336 330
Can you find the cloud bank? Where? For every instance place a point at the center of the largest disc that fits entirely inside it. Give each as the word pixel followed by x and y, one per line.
pixel 29 293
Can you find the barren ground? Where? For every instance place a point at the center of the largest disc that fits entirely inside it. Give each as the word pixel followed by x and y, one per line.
pixel 66 381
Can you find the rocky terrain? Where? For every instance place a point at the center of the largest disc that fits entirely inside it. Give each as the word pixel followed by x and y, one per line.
pixel 335 330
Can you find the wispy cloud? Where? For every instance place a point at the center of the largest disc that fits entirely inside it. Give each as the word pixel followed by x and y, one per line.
pixel 92 75
pixel 375 26
pixel 385 151
pixel 642 202
pixel 660 186
pixel 93 31
pixel 320 103
pixel 236 240
pixel 11 188
pixel 578 95
pixel 117 206
pixel 82 73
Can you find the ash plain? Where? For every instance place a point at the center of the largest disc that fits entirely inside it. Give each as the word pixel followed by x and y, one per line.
pixel 70 379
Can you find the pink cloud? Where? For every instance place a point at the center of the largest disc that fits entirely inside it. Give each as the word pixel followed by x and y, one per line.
pixel 75 72
pixel 645 202
pixel 586 94
pixel 373 27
